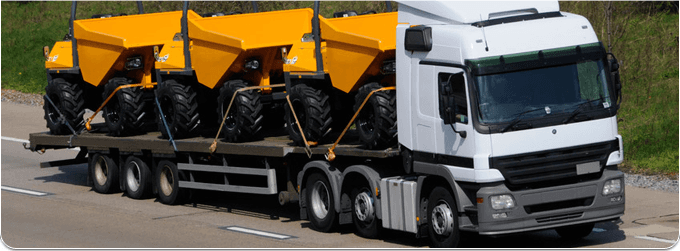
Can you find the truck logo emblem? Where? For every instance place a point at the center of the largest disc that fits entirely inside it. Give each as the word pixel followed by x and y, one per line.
pixel 554 131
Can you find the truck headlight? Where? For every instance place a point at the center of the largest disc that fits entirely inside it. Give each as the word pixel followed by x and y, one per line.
pixel 502 202
pixel 134 63
pixel 253 64
pixel 612 187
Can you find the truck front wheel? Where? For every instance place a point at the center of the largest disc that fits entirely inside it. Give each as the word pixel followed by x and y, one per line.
pixel 167 183
pixel 363 213
pixel 104 173
pixel 244 120
pixel 443 219
pixel 320 203
pixel 68 99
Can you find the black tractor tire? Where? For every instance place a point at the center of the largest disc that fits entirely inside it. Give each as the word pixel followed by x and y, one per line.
pixel 125 113
pixel 320 203
pixel 104 174
pixel 137 178
pixel 377 121
pixel 443 224
pixel 68 97
pixel 365 221
pixel 313 111
pixel 167 183
pixel 180 109
pixel 245 117
pixel 575 232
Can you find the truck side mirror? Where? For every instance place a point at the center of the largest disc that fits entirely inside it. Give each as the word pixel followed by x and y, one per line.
pixel 615 77
pixel 448 110
pixel 418 38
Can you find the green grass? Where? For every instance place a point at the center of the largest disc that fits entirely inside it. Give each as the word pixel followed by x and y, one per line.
pixel 644 39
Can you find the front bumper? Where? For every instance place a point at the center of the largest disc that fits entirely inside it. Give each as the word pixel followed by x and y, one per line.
pixel 551 207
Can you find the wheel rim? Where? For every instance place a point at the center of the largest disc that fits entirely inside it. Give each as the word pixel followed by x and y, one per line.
pixel 134 177
pixel 112 114
pixel 168 109
pixel 300 114
pixel 442 219
pixel 51 112
pixel 167 181
pixel 365 120
pixel 230 121
pixel 320 199
pixel 101 171
pixel 363 207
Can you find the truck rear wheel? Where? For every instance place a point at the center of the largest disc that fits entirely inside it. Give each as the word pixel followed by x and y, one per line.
pixel 320 203
pixel 104 173
pixel 377 121
pixel 312 110
pixel 180 109
pixel 125 113
pixel 136 178
pixel 68 97
pixel 443 219
pixel 363 213
pixel 575 232
pixel 167 183
pixel 244 120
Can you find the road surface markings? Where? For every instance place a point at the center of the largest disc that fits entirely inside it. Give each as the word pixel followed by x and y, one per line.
pixel 15 139
pixel 28 142
pixel 23 191
pixel 257 232
pixel 654 239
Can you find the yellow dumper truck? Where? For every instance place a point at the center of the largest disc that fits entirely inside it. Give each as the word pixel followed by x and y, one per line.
pixel 262 51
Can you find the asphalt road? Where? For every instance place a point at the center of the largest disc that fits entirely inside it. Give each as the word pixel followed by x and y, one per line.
pixel 66 213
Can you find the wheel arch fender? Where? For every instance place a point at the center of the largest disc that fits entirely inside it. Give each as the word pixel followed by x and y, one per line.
pixel 334 177
pixel 373 179
pixel 440 174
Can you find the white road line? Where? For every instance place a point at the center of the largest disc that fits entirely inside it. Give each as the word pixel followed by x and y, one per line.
pixel 15 139
pixel 654 239
pixel 257 232
pixel 28 142
pixel 24 191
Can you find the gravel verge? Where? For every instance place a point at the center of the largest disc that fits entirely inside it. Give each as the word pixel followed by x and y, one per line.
pixel 653 182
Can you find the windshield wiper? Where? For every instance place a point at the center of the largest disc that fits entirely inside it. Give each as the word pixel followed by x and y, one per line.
pixel 519 118
pixel 578 111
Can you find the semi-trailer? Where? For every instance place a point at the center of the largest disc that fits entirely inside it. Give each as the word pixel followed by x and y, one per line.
pixel 506 124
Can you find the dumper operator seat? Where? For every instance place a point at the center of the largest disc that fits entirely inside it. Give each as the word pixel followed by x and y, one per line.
pixel 347 13
pixel 108 15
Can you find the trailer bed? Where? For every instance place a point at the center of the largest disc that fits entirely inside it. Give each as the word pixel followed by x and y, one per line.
pixel 270 146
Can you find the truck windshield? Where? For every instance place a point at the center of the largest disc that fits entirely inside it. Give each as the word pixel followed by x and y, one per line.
pixel 558 90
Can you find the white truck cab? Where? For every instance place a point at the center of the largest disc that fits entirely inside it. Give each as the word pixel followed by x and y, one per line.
pixel 515 104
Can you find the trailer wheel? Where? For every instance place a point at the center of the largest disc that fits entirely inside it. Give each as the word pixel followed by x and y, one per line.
pixel 363 213
pixel 575 232
pixel 125 113
pixel 320 203
pixel 443 219
pixel 180 109
pixel 136 178
pixel 104 173
pixel 312 110
pixel 68 97
pixel 377 121
pixel 167 182
pixel 244 120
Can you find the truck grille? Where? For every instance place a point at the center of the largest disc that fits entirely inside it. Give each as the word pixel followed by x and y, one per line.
pixel 552 167
pixel 559 217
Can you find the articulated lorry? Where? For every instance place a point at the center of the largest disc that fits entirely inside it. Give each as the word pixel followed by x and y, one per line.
pixel 506 124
